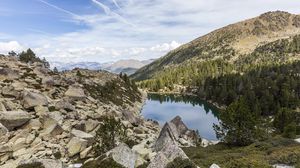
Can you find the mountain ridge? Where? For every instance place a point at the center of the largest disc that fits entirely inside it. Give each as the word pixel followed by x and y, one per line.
pixel 128 66
pixel 229 43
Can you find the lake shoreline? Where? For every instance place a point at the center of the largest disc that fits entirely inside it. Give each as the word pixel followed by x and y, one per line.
pixel 214 104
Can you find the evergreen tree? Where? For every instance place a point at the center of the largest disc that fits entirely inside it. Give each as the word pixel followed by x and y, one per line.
pixel 55 70
pixel 238 124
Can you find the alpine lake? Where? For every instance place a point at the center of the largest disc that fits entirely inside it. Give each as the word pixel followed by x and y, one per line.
pixel 195 113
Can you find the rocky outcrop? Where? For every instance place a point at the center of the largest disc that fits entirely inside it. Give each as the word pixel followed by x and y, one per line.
pixel 171 137
pixel 176 132
pixel 13 119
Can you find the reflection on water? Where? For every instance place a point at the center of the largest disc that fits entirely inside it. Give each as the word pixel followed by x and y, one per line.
pixel 197 114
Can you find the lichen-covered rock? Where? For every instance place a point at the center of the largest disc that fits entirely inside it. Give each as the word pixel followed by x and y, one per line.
pixel 13 119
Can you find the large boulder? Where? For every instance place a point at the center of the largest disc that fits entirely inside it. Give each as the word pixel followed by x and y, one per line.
pixel 76 93
pixel 123 155
pixel 13 119
pixel 167 144
pixel 45 163
pixel 32 99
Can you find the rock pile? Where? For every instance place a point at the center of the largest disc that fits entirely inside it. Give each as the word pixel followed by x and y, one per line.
pixel 51 118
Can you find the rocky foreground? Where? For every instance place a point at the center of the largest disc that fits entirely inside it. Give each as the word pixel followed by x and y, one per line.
pixel 50 118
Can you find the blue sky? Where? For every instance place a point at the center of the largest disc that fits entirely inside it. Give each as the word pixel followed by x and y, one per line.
pixel 110 30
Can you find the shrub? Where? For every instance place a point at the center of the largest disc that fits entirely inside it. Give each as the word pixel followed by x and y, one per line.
pixel 108 134
pixel 181 163
pixel 298 130
pixel 290 131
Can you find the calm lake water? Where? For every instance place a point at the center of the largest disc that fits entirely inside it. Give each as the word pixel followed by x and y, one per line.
pixel 196 114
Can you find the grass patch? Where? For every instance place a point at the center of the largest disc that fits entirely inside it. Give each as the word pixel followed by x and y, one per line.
pixel 276 150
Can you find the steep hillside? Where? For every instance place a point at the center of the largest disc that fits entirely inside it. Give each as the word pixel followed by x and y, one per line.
pixel 231 44
pixel 46 115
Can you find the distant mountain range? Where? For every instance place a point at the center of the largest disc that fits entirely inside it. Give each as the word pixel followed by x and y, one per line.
pixel 128 66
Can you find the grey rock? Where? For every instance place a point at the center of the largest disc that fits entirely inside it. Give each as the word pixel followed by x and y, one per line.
pixel 31 99
pixel 3 130
pixel 64 105
pixel 82 135
pixel 76 145
pixel 76 93
pixel 173 131
pixel 13 119
pixel 167 155
pixel 123 155
pixel 129 116
pixel 214 166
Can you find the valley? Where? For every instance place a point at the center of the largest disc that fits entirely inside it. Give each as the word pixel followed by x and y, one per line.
pixel 228 99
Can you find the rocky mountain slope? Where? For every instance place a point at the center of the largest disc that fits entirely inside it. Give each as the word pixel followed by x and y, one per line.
pixel 234 44
pixel 50 119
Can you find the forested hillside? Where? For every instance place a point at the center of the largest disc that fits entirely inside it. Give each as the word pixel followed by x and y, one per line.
pixel 271 38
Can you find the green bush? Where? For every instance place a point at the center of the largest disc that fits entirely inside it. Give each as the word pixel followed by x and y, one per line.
pixel 290 131
pixel 298 130
pixel 108 134
pixel 181 163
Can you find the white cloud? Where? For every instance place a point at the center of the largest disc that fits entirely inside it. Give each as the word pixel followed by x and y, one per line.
pixel 144 29
pixel 166 47
pixel 6 47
